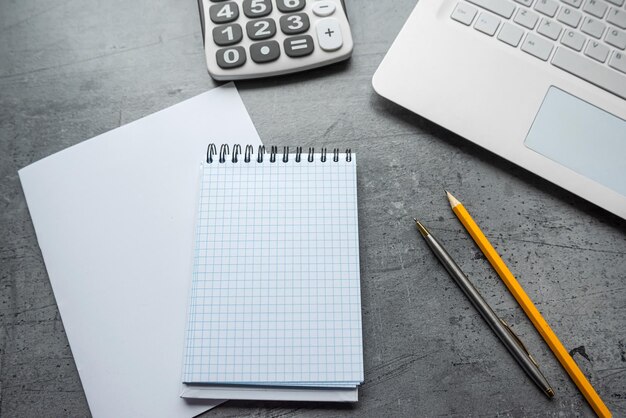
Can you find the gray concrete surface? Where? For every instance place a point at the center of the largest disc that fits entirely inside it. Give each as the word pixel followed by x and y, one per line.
pixel 70 70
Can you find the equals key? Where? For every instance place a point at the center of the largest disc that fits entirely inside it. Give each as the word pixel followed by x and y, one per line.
pixel 298 46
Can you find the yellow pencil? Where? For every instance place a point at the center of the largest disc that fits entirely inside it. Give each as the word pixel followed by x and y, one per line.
pixel 528 306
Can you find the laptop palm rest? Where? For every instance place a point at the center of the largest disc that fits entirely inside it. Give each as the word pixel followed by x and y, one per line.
pixel 581 137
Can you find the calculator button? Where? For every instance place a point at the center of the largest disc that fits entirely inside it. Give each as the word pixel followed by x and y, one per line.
pixel 324 8
pixel 298 46
pixel 287 6
pixel 224 12
pixel 261 29
pixel 296 23
pixel 329 34
pixel 257 8
pixel 231 57
pixel 227 34
pixel 267 51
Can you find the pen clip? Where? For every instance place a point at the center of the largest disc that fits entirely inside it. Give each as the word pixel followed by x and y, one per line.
pixel 516 338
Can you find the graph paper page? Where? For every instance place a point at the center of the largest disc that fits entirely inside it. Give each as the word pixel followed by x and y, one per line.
pixel 275 293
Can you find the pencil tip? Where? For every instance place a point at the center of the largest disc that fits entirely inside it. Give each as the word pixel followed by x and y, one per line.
pixel 453 200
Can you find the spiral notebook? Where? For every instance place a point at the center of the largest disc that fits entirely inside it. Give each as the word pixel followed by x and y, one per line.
pixel 275 297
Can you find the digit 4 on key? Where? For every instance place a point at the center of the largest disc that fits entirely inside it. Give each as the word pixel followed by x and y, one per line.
pixel 246 39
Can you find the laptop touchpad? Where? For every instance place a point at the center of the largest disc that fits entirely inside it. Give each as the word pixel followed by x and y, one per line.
pixel 581 137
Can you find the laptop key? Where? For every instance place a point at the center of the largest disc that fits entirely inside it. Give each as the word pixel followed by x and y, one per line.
pixel 487 24
pixel 593 72
pixel 526 18
pixel 547 7
pixel 569 16
pixel 616 38
pixel 499 7
pixel 464 13
pixel 536 46
pixel 618 61
pixel 597 51
pixel 596 8
pixel 549 29
pixel 617 17
pixel 593 27
pixel 573 3
pixel 511 34
pixel 573 40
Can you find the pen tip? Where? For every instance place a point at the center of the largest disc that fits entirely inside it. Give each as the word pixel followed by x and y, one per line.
pixel 421 228
pixel 550 393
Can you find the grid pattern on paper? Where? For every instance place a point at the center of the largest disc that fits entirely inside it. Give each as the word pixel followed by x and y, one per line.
pixel 275 295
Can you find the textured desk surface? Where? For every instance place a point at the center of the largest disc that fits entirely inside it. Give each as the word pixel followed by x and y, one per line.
pixel 70 70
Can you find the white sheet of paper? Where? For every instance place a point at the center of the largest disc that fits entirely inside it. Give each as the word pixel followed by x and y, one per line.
pixel 114 218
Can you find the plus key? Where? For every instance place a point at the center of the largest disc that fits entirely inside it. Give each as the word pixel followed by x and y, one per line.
pixel 329 34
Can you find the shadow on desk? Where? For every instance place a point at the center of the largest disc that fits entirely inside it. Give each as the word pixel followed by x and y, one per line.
pixel 272 408
pixel 342 67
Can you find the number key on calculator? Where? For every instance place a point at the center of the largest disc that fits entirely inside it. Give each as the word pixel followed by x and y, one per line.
pixel 261 38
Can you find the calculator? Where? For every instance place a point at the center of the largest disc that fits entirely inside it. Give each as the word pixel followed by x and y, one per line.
pixel 246 39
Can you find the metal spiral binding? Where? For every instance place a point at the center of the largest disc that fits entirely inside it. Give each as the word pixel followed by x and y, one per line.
pixel 211 152
pixel 236 152
pixel 273 151
pixel 224 150
pixel 261 153
pixel 248 155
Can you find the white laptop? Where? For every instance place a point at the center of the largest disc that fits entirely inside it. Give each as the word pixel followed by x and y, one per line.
pixel 541 83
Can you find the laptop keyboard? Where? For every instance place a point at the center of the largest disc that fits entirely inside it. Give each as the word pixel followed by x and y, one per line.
pixel 586 38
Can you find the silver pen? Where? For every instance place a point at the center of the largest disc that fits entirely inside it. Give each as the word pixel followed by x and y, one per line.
pixel 499 327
